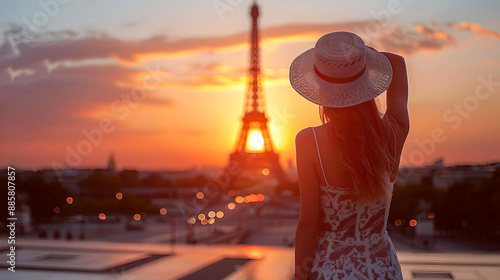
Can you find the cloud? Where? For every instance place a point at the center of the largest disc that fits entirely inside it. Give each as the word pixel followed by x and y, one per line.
pixel 14 73
pixel 69 45
pixel 475 28
pixel 132 23
pixel 100 45
pixel 491 61
pixel 433 32
pixel 421 38
pixel 60 103
pixel 215 75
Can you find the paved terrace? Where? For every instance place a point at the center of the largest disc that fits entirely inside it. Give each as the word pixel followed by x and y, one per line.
pixel 94 260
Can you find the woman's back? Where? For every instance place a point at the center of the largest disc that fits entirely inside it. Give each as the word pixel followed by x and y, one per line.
pixel 330 157
pixel 353 241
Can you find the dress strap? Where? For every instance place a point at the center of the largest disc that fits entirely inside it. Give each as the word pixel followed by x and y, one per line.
pixel 319 156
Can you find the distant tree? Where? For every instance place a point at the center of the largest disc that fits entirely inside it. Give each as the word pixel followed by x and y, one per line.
pixel 486 208
pixel 132 204
pixel 405 200
pixel 196 181
pixel 455 206
pixel 427 180
pixel 495 196
pixel 101 185
pixel 155 181
pixel 130 178
pixel 481 212
pixel 43 197
pixel 466 207
pixel 199 180
pixel 495 179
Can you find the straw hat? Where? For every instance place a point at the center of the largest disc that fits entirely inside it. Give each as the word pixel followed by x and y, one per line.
pixel 340 71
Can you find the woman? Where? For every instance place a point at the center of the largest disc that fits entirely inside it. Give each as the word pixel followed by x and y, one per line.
pixel 347 166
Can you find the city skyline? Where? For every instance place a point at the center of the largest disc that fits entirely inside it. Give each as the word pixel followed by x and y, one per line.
pixel 163 88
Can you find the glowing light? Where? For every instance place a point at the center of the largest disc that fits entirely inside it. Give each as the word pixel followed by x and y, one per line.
pixel 137 217
pixel 102 216
pixel 397 222
pixel 200 195
pixel 413 222
pixel 265 171
pixel 163 211
pixel 119 195
pixel 211 221
pixel 260 197
pixel 57 210
pixel 69 200
pixel 253 198
pixel 211 214
pixel 255 140
pixel 231 206
pixel 254 253
pixel 201 216
pixel 220 214
pixel 191 220
pixel 464 223
pixel 204 221
pixel 239 199
pixel 431 215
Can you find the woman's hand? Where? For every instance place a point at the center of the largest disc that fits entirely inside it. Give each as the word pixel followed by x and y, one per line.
pixel 394 58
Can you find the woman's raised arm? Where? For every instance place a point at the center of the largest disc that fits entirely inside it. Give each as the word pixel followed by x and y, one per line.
pixel 397 93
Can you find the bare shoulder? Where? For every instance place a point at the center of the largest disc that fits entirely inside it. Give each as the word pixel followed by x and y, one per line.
pixel 303 136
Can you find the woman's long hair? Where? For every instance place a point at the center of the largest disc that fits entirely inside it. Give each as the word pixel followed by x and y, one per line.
pixel 365 150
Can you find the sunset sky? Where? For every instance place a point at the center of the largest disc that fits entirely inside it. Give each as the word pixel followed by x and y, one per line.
pixel 161 84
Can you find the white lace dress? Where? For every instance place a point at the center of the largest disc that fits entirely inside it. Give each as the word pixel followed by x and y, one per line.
pixel 353 241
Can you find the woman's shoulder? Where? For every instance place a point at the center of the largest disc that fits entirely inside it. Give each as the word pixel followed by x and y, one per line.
pixel 304 134
pixel 303 139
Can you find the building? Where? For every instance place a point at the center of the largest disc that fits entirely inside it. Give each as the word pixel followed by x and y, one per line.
pixel 442 176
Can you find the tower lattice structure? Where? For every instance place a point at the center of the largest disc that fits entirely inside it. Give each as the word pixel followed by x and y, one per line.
pixel 254 121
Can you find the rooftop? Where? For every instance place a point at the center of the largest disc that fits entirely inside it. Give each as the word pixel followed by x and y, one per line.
pixel 95 260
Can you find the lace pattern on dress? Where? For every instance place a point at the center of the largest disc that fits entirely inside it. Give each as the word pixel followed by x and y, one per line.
pixel 353 241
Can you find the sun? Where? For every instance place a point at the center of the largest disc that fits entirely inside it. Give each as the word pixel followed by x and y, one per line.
pixel 255 140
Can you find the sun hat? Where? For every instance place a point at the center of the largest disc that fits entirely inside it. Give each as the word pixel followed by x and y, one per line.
pixel 340 71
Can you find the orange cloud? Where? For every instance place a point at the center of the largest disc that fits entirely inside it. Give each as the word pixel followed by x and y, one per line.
pixel 407 41
pixel 433 32
pixel 219 76
pixel 477 29
pixel 491 62
pixel 129 52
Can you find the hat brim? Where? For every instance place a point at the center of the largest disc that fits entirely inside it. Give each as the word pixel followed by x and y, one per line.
pixel 374 81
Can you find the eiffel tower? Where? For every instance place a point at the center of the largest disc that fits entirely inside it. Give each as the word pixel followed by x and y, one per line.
pixel 254 149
